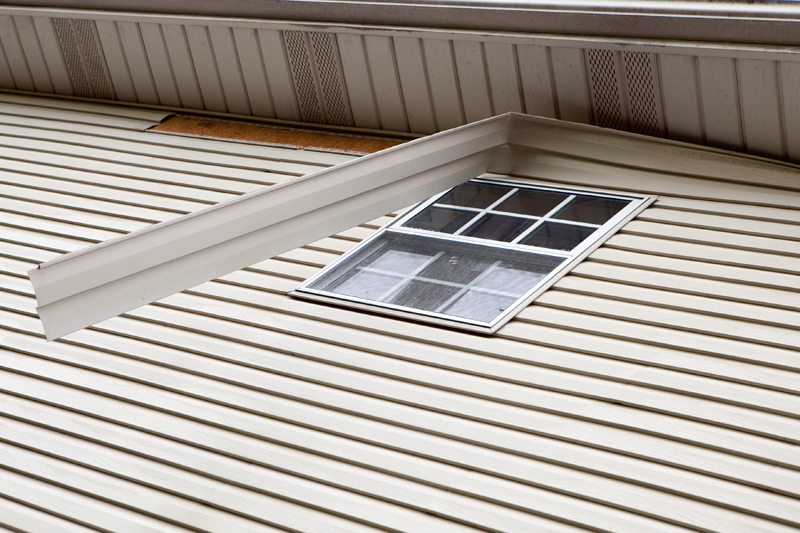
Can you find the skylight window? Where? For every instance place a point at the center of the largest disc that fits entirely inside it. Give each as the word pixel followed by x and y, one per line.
pixel 474 255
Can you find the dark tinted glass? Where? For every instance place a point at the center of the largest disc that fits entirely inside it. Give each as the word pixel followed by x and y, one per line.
pixel 479 195
pixel 440 219
pixel 498 228
pixel 591 209
pixel 557 236
pixel 534 203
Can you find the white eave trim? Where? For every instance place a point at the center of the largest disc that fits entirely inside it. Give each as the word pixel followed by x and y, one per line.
pixel 85 287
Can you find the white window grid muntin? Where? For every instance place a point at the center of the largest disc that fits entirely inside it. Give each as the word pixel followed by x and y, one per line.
pixel 635 202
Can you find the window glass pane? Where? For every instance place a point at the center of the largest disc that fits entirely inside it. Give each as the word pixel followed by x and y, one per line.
pixel 509 279
pixel 481 306
pixel 424 296
pixel 557 236
pixel 498 227
pixel 532 202
pixel 480 195
pixel 440 219
pixel 367 285
pixel 591 209
pixel 457 267
pixel 467 265
pixel 430 272
pixel 399 261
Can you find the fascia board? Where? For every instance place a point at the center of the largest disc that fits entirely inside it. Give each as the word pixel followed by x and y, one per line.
pixel 709 21
pixel 84 287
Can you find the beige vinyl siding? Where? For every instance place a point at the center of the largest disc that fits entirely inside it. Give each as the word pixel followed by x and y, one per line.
pixel 654 388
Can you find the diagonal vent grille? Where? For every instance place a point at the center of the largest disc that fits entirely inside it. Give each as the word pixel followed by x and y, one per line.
pixel 642 95
pixel 72 56
pixel 86 65
pixel 303 76
pixel 605 88
pixel 95 62
pixel 330 79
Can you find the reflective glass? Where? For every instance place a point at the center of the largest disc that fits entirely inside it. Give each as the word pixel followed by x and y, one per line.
pixel 498 227
pixel 471 194
pixel 532 202
pixel 440 219
pixel 591 209
pixel 557 236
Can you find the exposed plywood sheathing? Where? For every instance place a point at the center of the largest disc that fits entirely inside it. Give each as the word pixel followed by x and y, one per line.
pixel 218 129
pixel 653 389
pixel 734 96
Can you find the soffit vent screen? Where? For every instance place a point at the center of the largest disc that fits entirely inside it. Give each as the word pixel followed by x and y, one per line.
pixel 330 78
pixel 625 91
pixel 639 72
pixel 318 80
pixel 605 88
pixel 303 77
pixel 86 65
pixel 473 256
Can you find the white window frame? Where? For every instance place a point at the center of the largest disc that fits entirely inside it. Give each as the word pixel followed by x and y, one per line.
pixel 572 257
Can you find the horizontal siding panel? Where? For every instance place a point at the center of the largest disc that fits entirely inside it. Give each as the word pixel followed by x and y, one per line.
pixel 724 223
pixel 24 518
pixel 651 259
pixel 695 320
pixel 566 171
pixel 86 109
pixel 663 336
pixel 251 456
pixel 728 291
pixel 542 469
pixel 694 304
pixel 94 512
pixel 716 238
pixel 750 212
pixel 108 175
pixel 92 191
pixel 65 115
pixel 655 388
pixel 101 485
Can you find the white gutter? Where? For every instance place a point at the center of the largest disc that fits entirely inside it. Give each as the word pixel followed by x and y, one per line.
pixel 85 287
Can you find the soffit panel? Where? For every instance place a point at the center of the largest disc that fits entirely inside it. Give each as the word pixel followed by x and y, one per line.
pixel 732 96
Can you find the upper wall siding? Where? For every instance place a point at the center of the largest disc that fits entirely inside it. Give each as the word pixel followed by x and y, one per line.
pixel 419 81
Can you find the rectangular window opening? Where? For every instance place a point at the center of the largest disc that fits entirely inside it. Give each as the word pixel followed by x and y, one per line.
pixel 475 255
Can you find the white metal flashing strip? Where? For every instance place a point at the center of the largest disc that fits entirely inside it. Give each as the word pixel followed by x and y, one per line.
pixel 90 285
pixel 85 287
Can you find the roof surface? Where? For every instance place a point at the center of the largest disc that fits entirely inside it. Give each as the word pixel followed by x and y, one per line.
pixel 655 388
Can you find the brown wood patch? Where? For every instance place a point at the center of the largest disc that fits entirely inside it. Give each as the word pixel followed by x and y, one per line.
pixel 273 135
